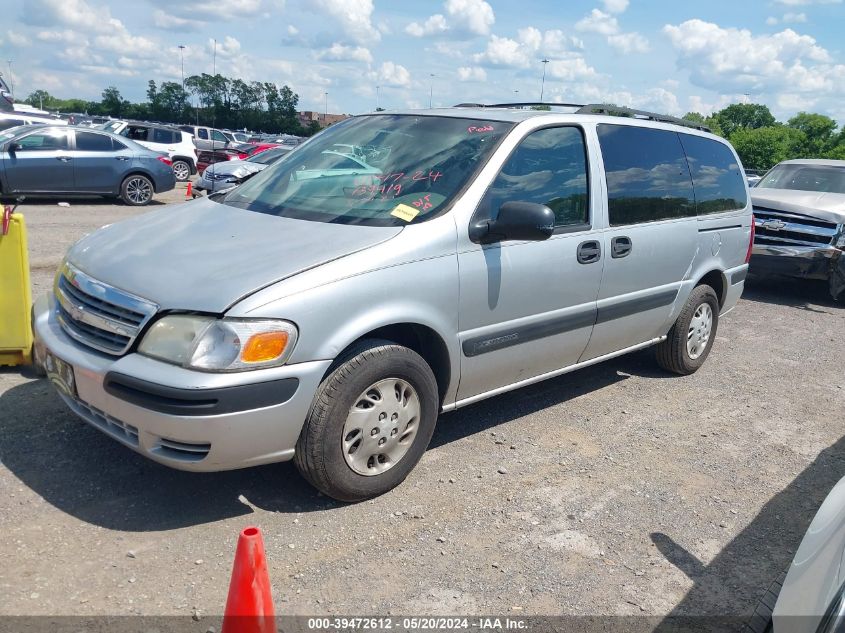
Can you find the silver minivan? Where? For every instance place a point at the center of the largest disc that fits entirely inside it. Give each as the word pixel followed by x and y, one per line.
pixel 396 266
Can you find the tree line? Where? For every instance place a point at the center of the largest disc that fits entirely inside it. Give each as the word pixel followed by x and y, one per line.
pixel 762 142
pixel 206 99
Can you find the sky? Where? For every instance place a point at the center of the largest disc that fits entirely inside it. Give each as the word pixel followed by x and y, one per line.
pixel 671 57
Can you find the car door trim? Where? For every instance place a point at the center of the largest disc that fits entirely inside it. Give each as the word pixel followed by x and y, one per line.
pixel 552 374
pixel 636 305
pixel 510 336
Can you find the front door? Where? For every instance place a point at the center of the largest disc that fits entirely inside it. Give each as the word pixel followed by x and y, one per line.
pixel 43 163
pixel 652 237
pixel 528 308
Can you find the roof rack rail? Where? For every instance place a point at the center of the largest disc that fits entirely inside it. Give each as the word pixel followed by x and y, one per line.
pixel 597 108
pixel 622 111
pixel 519 105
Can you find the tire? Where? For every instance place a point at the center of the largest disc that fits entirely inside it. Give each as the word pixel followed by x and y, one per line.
pixel 674 354
pixel 182 170
pixel 325 452
pixel 761 619
pixel 137 190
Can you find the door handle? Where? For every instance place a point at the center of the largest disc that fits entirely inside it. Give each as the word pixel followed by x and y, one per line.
pixel 64 159
pixel 620 247
pixel 589 252
pixel 121 158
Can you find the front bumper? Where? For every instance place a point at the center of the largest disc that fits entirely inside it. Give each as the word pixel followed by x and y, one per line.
pixel 182 418
pixel 806 262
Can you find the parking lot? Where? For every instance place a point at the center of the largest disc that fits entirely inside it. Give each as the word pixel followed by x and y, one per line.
pixel 618 489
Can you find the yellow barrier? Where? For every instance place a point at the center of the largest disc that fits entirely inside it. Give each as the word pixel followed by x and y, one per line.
pixel 15 296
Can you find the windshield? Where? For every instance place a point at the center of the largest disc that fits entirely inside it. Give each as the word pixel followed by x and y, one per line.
pixel 378 170
pixel 803 177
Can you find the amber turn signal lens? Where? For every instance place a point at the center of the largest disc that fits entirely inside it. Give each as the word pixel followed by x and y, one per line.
pixel 265 346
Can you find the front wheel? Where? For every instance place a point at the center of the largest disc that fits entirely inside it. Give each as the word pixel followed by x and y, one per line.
pixel 370 423
pixel 691 338
pixel 136 190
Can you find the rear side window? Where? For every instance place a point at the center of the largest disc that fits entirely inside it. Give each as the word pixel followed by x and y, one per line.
pixel 202 133
pixel 164 136
pixel 718 181
pixel 219 136
pixel 136 133
pixel 647 174
pixel 92 142
pixel 548 167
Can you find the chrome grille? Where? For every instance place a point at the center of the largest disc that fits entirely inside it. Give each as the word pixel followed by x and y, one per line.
pixel 98 315
pixel 791 229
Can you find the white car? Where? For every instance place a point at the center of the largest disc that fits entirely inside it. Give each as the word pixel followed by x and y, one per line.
pixel 810 597
pixel 13 119
pixel 177 144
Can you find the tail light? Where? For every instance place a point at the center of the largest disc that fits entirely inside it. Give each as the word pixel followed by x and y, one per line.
pixel 750 241
pixel 165 160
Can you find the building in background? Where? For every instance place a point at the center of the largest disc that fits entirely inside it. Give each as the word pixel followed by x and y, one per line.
pixel 308 116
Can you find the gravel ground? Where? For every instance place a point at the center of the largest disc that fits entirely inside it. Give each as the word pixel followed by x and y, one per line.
pixel 617 489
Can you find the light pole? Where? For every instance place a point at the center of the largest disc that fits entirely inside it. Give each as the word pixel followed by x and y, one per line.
pixel 326 112
pixel 543 82
pixel 214 72
pixel 378 105
pixel 182 55
pixel 430 90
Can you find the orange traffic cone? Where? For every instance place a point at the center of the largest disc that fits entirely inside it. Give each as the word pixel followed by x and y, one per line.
pixel 249 607
pixel 189 192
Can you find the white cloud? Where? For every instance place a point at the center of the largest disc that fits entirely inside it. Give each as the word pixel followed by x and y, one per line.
pixel 463 18
pixel 227 48
pixel 292 30
pixel 475 16
pixel 66 36
pixel 17 39
pixel 794 18
pixel 628 42
pixel 734 60
pixel 354 17
pixel 390 74
pixel 471 73
pixel 527 47
pixel 227 10
pixel 615 6
pixel 571 69
pixel 433 25
pixel 772 20
pixel 164 20
pixel 339 53
pixel 597 21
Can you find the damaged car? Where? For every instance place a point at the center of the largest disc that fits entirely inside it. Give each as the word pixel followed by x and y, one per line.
pixel 228 174
pixel 799 216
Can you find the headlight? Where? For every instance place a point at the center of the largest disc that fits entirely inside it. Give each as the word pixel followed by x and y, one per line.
pixel 211 344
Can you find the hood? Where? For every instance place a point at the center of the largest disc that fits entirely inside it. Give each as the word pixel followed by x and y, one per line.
pixel 206 256
pixel 237 168
pixel 817 204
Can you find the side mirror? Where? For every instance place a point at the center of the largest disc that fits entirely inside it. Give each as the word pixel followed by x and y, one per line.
pixel 14 147
pixel 516 221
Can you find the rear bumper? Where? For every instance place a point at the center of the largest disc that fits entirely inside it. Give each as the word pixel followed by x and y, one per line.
pixel 182 418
